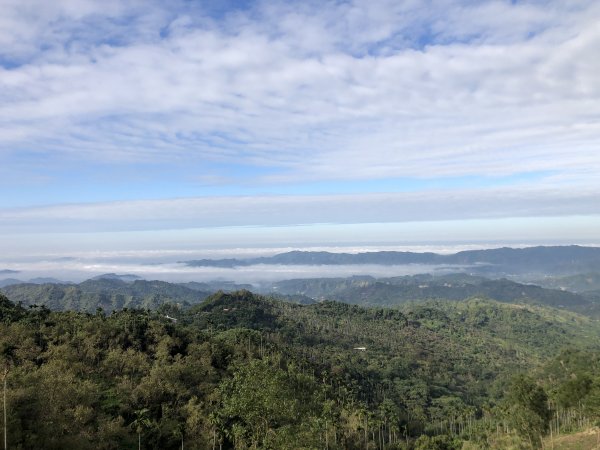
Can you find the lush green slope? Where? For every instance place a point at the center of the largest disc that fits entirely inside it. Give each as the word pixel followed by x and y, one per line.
pixel 244 371
pixel 369 291
pixel 108 294
pixel 497 333
pixel 442 363
pixel 113 293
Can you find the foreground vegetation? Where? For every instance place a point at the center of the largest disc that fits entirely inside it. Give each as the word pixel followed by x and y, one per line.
pixel 243 371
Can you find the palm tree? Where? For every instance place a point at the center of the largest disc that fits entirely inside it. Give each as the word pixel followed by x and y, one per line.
pixel 7 356
pixel 140 423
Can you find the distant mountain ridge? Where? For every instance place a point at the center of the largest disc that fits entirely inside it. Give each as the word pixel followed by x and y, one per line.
pixel 113 276
pixel 8 281
pixel 113 293
pixel 544 259
pixel 8 272
pixel 39 280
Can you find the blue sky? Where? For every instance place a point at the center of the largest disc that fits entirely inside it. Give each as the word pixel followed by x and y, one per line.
pixel 120 116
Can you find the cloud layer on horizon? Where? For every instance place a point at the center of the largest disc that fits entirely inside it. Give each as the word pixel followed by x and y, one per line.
pixel 277 211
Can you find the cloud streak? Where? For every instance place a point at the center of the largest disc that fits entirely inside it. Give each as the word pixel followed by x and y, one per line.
pixel 274 211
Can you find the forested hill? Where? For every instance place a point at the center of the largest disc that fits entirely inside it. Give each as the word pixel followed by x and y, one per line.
pixel 542 259
pixel 106 293
pixel 114 294
pixel 243 371
pixel 582 282
pixel 533 329
pixel 369 291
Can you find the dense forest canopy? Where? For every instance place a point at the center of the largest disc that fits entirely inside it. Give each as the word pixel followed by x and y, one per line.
pixel 243 371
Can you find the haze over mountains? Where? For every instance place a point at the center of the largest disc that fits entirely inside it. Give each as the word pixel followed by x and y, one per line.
pixel 480 273
pixel 522 264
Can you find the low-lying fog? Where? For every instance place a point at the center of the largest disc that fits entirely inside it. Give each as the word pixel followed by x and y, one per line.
pixel 174 272
pixel 165 265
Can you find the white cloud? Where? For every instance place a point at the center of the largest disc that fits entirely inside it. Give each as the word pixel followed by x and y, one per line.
pixel 274 211
pixel 316 91
pixel 154 253
pixel 320 90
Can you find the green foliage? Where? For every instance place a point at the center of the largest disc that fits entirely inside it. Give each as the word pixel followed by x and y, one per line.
pixel 526 409
pixel 9 312
pixel 441 442
pixel 572 392
pixel 108 294
pixel 244 371
pixel 263 404
pixel 368 291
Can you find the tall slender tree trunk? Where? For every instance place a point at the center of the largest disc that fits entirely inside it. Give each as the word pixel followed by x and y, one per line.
pixel 366 433
pixel 4 408
pixel 139 441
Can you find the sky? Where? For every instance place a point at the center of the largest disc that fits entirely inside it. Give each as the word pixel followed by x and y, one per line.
pixel 172 125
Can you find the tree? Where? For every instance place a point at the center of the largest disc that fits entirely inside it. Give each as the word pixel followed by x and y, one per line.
pixel 265 405
pixel 573 391
pixel 526 409
pixel 7 358
pixel 140 423
pixel 441 442
pixel 4 377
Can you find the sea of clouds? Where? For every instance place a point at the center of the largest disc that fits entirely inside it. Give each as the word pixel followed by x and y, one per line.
pixel 168 265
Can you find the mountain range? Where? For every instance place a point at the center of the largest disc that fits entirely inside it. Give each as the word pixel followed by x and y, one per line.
pixel 113 293
pixel 544 260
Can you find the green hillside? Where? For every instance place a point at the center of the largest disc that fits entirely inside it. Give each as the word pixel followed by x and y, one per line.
pixel 108 294
pixel 244 371
pixel 582 282
pixel 369 291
